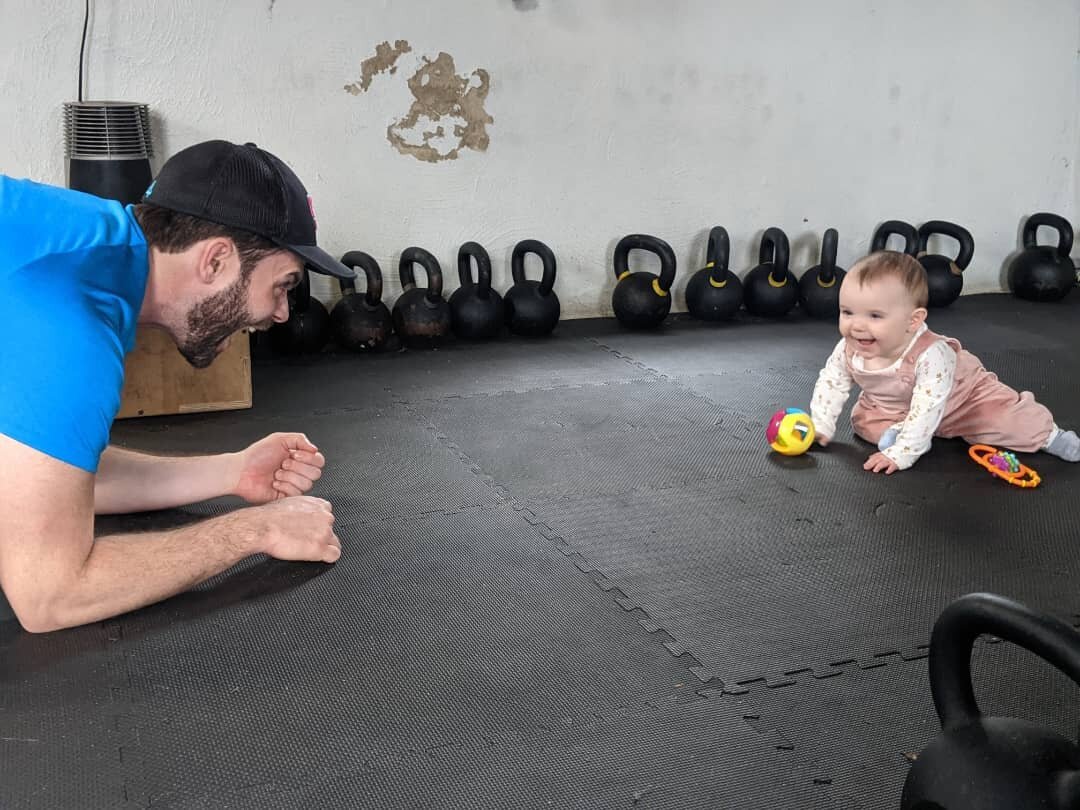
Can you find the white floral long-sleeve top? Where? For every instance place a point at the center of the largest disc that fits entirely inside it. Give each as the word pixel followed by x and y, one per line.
pixel 934 376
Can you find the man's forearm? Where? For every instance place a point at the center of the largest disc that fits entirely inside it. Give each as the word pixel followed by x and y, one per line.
pixel 128 481
pixel 126 572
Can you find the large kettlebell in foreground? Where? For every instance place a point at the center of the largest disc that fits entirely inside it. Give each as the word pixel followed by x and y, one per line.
pixel 1041 272
pixel 361 323
pixel 895 227
pixel 308 328
pixel 642 300
pixel 532 307
pixel 944 276
pixel 421 316
pixel 476 310
pixel 993 763
pixel 714 293
pixel 770 289
pixel 819 287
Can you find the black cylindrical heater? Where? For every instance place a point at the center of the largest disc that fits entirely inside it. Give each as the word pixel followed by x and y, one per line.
pixel 108 148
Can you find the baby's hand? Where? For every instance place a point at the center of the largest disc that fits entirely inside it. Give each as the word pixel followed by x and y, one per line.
pixel 823 440
pixel 879 462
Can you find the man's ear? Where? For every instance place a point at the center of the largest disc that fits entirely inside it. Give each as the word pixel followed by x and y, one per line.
pixel 214 259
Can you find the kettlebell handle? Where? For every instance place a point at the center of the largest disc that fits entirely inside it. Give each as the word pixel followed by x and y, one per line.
pixel 776 251
pixel 417 255
pixel 1060 224
pixel 900 228
pixel 961 235
pixel 467 252
pixel 357 258
pixel 965 620
pixel 643 241
pixel 717 253
pixel 547 258
pixel 300 295
pixel 826 276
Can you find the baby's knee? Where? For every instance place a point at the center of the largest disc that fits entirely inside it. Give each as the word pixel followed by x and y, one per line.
pixel 868 433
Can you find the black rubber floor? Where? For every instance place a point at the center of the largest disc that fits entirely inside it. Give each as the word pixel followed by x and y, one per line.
pixel 574 576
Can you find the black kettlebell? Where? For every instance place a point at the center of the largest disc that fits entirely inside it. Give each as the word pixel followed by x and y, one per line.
pixel 993 763
pixel 307 330
pixel 476 310
pixel 714 293
pixel 770 288
pixel 642 300
pixel 532 307
pixel 361 323
pixel 421 315
pixel 1041 272
pixel 819 287
pixel 899 228
pixel 944 276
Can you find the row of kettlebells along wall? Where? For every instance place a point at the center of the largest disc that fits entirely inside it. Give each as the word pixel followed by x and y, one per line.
pixel 423 318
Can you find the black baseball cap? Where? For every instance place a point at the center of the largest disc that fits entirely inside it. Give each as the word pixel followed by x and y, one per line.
pixel 248 188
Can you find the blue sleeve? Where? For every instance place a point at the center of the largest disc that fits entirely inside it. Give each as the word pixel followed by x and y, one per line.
pixel 73 271
pixel 61 390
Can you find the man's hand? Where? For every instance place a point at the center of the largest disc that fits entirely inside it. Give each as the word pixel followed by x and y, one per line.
pixel 297 528
pixel 879 462
pixel 279 466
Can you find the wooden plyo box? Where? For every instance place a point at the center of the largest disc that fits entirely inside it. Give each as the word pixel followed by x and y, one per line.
pixel 158 380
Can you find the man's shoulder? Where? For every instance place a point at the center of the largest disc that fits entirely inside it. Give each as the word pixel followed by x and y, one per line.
pixel 38 218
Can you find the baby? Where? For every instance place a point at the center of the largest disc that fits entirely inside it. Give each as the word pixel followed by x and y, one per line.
pixel 917 384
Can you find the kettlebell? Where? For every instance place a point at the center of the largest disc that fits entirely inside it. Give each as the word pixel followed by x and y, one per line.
pixel 308 328
pixel 642 300
pixel 944 276
pixel 532 307
pixel 1041 272
pixel 361 323
pixel 993 763
pixel 899 228
pixel 476 310
pixel 819 287
pixel 770 288
pixel 421 316
pixel 714 293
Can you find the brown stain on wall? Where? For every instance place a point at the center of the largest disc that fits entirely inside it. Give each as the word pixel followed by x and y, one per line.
pixel 438 93
pixel 382 62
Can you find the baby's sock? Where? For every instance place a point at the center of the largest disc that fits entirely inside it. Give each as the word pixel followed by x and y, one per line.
pixel 1064 444
pixel 888 438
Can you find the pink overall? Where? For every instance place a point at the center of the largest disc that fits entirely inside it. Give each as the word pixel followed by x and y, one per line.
pixel 980 409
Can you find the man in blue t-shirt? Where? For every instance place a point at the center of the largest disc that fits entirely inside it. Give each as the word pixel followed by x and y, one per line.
pixel 220 237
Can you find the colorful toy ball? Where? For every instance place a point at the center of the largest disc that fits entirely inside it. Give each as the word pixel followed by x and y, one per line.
pixel 790 432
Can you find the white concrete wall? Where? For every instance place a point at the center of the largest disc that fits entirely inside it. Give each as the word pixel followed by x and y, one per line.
pixel 610 116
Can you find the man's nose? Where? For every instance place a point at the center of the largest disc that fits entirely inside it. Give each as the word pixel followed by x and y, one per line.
pixel 281 313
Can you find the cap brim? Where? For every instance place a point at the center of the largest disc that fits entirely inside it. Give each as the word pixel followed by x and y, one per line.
pixel 320 261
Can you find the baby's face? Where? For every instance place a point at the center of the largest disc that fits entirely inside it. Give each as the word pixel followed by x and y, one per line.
pixel 877 319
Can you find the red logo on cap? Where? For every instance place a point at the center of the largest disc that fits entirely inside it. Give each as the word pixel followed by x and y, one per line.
pixel 311 207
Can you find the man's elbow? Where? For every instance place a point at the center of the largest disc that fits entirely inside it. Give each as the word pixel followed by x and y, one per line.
pixel 36 614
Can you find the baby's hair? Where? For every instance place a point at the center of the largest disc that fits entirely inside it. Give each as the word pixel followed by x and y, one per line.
pixel 893 264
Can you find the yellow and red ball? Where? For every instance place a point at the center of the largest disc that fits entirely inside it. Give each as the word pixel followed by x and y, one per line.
pixel 790 431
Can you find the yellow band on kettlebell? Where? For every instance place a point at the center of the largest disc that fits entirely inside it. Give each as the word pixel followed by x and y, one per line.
pixel 774 283
pixel 623 275
pixel 821 283
pixel 709 265
pixel 717 284
pixel 657 288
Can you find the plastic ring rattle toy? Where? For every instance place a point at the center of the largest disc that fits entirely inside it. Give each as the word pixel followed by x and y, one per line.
pixel 1005 465
pixel 790 431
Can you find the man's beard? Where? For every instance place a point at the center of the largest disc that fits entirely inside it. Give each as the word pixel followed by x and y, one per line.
pixel 213 320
